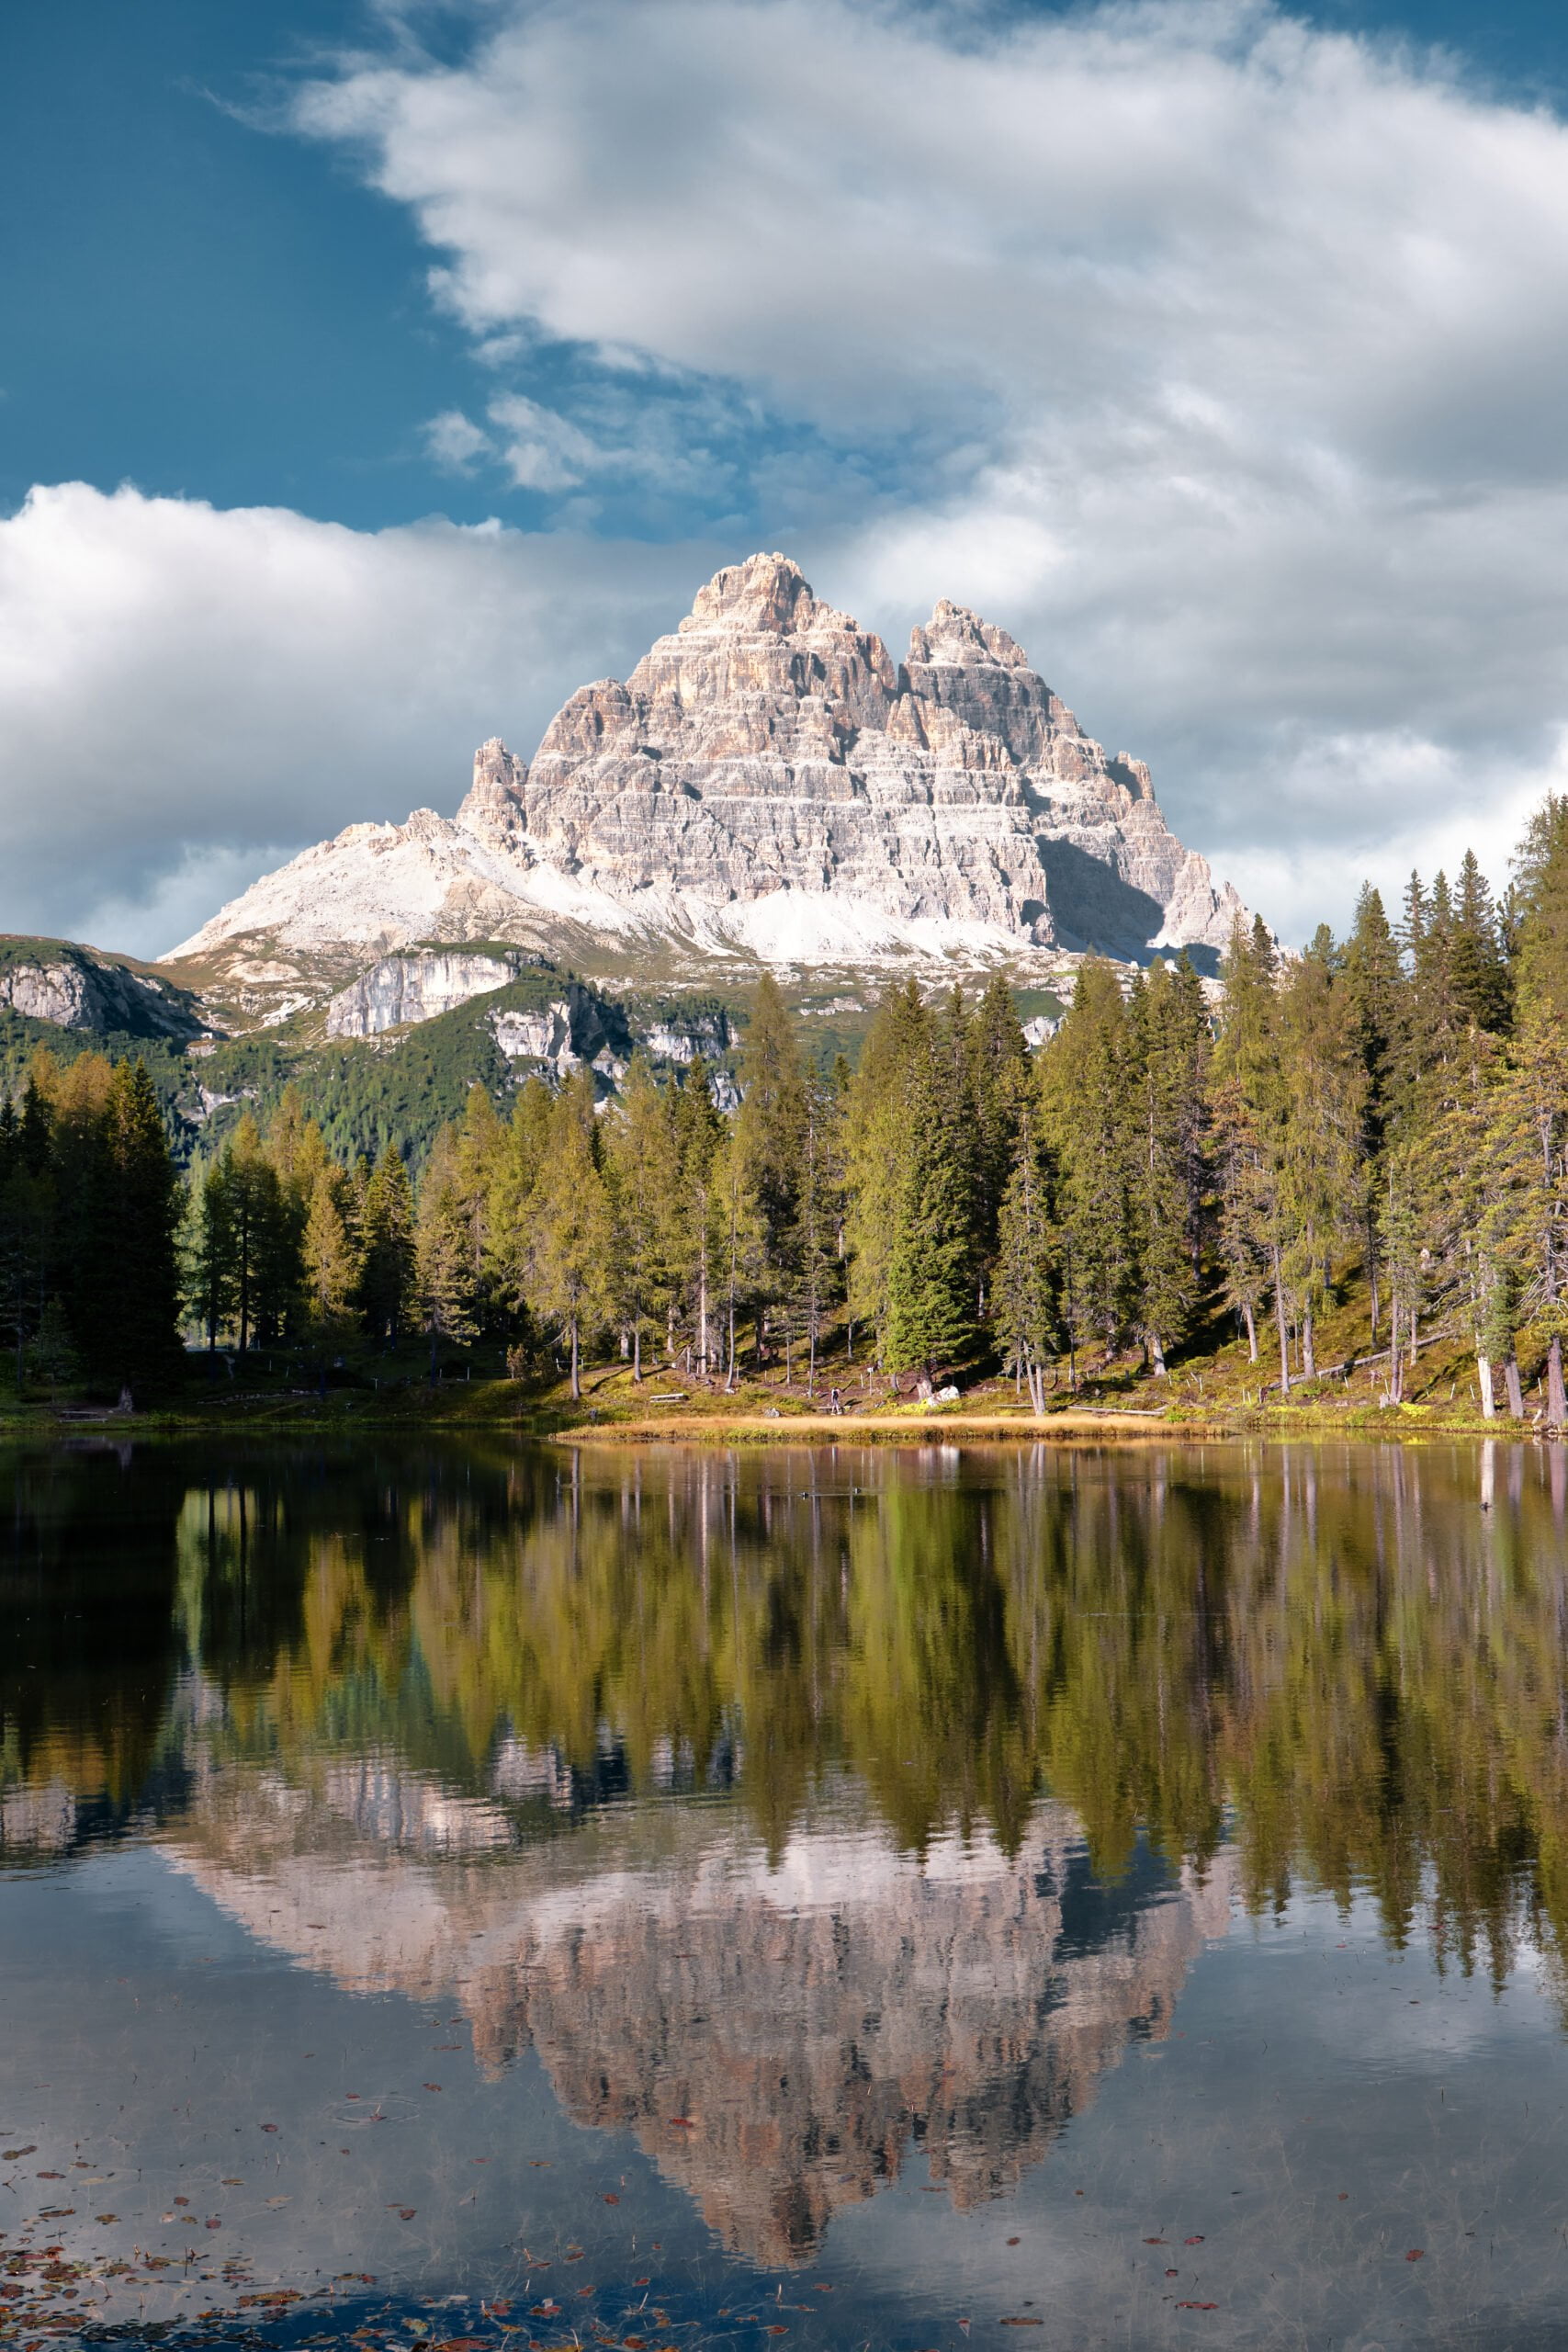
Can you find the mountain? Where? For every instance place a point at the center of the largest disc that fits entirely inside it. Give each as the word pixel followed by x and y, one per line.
pixel 76 987
pixel 767 786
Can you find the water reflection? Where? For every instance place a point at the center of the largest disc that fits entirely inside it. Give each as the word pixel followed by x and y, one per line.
pixel 803 1810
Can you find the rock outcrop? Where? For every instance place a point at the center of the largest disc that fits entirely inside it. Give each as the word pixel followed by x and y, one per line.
pixel 771 784
pixel 76 987
pixel 415 987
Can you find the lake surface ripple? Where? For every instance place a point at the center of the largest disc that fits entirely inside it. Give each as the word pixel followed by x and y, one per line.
pixel 470 1894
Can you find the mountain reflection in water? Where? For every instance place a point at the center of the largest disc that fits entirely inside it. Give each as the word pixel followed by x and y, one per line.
pixel 798 1808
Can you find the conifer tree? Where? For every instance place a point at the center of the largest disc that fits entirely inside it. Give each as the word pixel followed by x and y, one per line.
pixel 931 1284
pixel 1168 1052
pixel 1086 1108
pixel 210 1251
pixel 1025 1282
pixel 877 1144
pixel 819 1215
pixel 642 1171
pixel 1319 1169
pixel 998 1087
pixel 447 1278
pixel 331 1266
pixel 513 1168
pixel 740 1237
pixel 141 1344
pixel 696 1130
pixel 772 1112
pixel 569 1231
pixel 1480 970
pixel 1541 878
pixel 387 1248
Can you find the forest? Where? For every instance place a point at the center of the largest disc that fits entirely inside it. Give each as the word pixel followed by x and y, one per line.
pixel 1383 1117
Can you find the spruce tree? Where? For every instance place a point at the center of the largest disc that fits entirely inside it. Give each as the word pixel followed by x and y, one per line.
pixel 1026 1278
pixel 773 1114
pixel 446 1279
pixel 1086 1108
pixel 570 1229
pixel 141 1344
pixel 387 1248
pixel 1541 878
pixel 642 1170
pixel 330 1262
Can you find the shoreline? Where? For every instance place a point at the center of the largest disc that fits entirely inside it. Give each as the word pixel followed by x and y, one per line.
pixel 491 1409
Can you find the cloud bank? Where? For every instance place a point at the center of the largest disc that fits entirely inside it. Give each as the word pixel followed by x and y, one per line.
pixel 186 696
pixel 1217 357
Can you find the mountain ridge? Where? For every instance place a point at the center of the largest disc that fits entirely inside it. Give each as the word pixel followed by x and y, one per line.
pixel 767 786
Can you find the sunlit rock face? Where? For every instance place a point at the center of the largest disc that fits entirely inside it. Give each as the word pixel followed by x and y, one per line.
pixel 775 2034
pixel 771 784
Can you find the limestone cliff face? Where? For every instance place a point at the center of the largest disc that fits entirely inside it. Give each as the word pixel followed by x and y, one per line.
pixel 76 987
pixel 769 782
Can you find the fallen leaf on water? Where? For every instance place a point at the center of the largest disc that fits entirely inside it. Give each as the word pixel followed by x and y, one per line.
pixel 1416 2254
pixel 1197 2241
pixel 1156 2241
pixel 234 2183
pixel 407 2213
pixel 1173 2274
pixel 269 2127
pixel 610 2198
pixel 213 2223
pixel 431 2086
pixel 108 2217
pixel 1197 2307
pixel 1012 2241
pixel 51 2175
pixel 777 2330
pixel 1020 2323
pixel 14 2155
pixel 275 2201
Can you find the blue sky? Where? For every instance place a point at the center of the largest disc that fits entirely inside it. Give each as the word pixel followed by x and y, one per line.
pixel 370 377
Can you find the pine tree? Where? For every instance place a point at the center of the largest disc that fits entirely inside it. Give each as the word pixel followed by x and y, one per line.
pixel 571 1226
pixel 876 1143
pixel 1087 1113
pixel 387 1248
pixel 998 1088
pixel 446 1272
pixel 773 1114
pixel 1168 1073
pixel 740 1236
pixel 1026 1280
pixel 930 1286
pixel 1319 1167
pixel 643 1173
pixel 696 1131
pixel 330 1262
pixel 140 1346
pixel 1480 970
pixel 1541 878
pixel 819 1215
pixel 1375 984
pixel 209 1287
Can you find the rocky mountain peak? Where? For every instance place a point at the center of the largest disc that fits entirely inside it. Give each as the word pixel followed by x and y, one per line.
pixel 768 783
pixel 766 593
pixel 494 805
pixel 955 634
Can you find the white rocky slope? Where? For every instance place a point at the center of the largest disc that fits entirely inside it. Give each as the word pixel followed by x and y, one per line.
pixel 768 784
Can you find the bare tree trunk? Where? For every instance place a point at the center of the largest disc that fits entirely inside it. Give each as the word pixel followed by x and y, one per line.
pixel 1309 1358
pixel 1251 1331
pixel 1396 1361
pixel 1157 1346
pixel 1512 1383
pixel 703 1317
pixel 1556 1402
pixel 576 1374
pixel 637 1349
pixel 1484 1375
pixel 1284 1327
pixel 1415 1332
pixel 730 1371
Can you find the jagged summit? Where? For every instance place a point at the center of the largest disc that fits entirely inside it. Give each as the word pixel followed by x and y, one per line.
pixel 767 783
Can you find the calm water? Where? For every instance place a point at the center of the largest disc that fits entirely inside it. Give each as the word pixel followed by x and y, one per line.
pixel 876 1898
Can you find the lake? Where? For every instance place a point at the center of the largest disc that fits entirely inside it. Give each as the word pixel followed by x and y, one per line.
pixel 472 1894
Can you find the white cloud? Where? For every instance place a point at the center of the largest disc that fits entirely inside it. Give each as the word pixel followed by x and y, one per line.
pixel 455 441
pixel 1244 342
pixel 189 695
